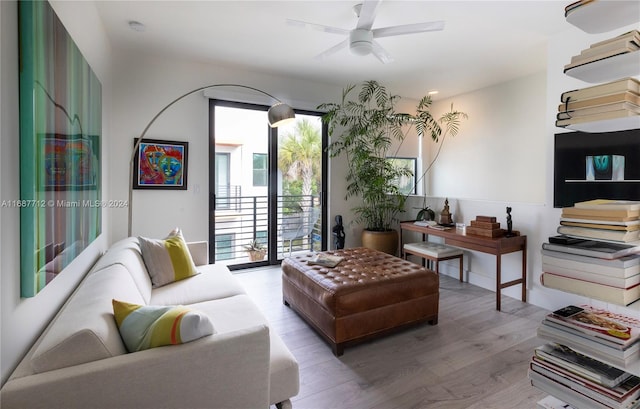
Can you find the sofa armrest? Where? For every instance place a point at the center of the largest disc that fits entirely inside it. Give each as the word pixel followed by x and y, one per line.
pixel 229 370
pixel 199 252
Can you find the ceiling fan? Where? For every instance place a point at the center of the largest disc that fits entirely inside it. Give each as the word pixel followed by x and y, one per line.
pixel 361 40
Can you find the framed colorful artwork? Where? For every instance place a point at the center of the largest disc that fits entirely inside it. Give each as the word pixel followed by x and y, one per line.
pixel 60 148
pixel 160 165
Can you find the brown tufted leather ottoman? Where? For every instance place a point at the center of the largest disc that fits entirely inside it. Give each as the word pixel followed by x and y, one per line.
pixel 368 294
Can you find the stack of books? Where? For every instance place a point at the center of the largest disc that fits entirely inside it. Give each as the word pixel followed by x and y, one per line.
pixel 602 219
pixel 628 42
pixel 566 368
pixel 612 100
pixel 592 255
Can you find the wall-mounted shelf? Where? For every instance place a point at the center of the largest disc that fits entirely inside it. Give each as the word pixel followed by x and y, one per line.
pixel 608 69
pixel 608 125
pixel 601 16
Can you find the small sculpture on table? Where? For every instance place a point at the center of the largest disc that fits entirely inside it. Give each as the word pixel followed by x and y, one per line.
pixel 445 215
pixel 338 233
pixel 510 232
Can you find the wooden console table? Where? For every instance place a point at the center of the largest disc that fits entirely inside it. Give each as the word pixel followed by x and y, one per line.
pixel 496 246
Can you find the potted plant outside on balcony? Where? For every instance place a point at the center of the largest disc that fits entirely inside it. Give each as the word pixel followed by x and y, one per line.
pixel 256 250
pixel 364 129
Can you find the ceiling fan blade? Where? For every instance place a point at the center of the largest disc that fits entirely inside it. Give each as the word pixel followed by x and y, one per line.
pixel 408 29
pixel 367 14
pixel 380 53
pixel 332 50
pixel 318 27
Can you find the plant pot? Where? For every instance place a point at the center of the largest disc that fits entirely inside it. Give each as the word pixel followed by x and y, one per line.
pixel 385 241
pixel 256 255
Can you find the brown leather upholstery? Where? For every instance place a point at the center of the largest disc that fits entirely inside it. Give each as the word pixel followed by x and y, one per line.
pixel 367 294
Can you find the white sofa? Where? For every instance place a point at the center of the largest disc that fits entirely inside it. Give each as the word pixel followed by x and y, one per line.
pixel 80 360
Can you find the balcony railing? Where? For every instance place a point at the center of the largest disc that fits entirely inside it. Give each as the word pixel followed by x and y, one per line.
pixel 240 219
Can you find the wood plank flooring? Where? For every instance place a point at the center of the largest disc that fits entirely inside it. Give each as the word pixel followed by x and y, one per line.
pixel 476 357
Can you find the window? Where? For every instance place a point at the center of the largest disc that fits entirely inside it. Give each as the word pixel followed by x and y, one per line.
pixel 405 179
pixel 224 246
pixel 261 237
pixel 260 174
pixel 223 187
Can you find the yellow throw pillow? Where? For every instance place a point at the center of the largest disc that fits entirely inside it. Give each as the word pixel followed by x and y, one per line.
pixel 149 326
pixel 167 260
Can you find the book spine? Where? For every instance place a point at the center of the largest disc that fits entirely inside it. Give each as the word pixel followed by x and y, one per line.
pixel 592 290
pixel 581 251
pixel 604 234
pixel 598 109
pixel 591 267
pixel 627 263
pixel 599 101
pixel 604 279
pixel 608 205
pixel 566 211
pixel 626 84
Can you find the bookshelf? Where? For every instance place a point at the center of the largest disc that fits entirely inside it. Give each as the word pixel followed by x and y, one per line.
pixel 608 69
pixel 602 16
pixel 595 17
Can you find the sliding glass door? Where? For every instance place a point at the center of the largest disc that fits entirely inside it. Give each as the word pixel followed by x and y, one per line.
pixel 266 185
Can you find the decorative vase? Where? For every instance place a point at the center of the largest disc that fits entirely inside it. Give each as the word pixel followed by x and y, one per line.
pixel 385 241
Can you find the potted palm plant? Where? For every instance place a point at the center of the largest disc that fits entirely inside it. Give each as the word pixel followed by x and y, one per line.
pixel 364 128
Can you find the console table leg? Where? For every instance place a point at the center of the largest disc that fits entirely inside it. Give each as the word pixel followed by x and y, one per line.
pixel 524 272
pixel 498 281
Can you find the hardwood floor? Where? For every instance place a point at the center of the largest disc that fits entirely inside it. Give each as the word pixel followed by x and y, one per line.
pixel 476 357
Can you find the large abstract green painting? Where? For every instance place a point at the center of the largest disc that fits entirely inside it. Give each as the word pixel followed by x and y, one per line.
pixel 60 135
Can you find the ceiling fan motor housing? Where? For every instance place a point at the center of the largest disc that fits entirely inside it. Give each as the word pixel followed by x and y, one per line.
pixel 360 42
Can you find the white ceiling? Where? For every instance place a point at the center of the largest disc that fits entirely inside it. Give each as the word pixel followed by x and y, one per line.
pixel 483 43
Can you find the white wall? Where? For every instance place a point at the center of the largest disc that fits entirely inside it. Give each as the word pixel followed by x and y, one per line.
pixel 143 85
pixel 503 156
pixel 499 153
pixel 24 318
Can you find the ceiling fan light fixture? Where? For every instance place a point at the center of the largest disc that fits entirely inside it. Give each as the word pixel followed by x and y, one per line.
pixel 360 42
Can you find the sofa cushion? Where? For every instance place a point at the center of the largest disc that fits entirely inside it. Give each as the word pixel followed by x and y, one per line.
pixel 126 252
pixel 84 330
pixel 149 326
pixel 233 313
pixel 214 282
pixel 167 260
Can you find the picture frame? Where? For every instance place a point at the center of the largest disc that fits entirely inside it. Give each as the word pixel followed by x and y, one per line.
pixel 405 185
pixel 160 164
pixel 596 166
pixel 60 117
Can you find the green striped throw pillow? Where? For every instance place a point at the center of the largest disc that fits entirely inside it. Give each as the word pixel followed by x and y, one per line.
pixel 167 260
pixel 150 326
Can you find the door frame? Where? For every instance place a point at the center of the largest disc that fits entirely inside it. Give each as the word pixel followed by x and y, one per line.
pixel 272 258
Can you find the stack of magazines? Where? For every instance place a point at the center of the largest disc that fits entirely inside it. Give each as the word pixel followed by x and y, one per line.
pixel 570 369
